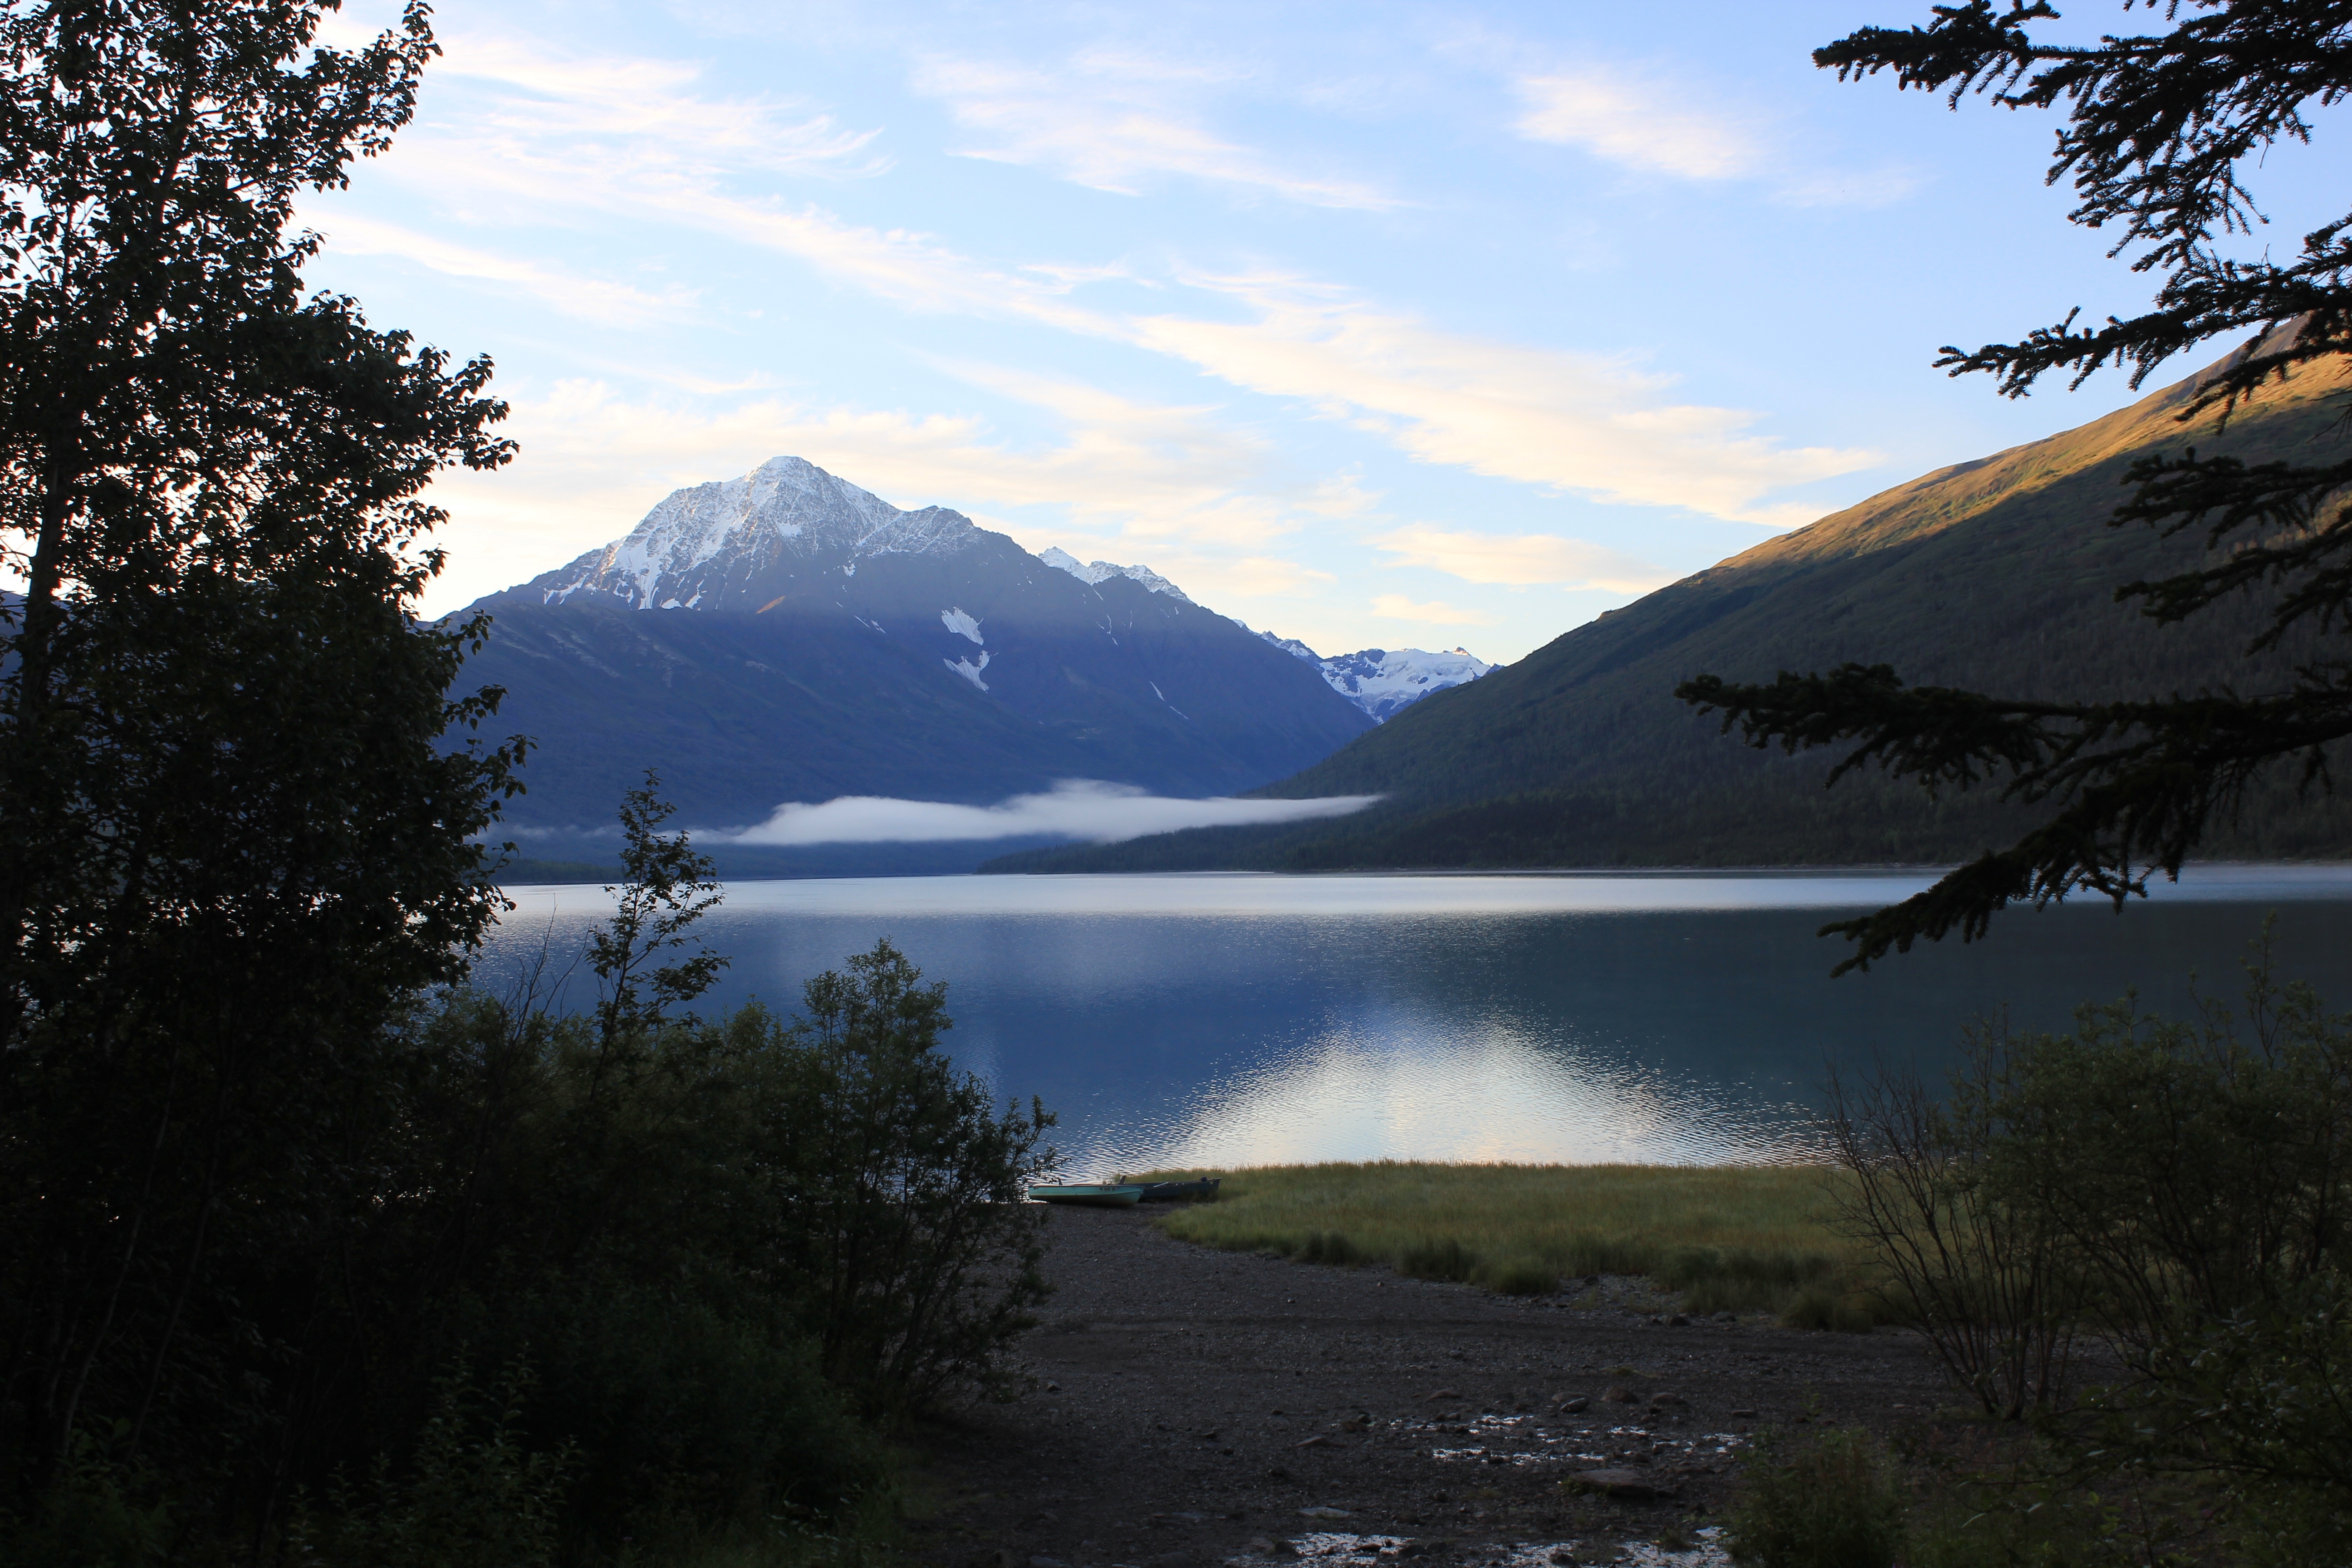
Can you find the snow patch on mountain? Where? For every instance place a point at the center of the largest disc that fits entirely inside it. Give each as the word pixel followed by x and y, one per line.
pixel 1383 682
pixel 970 671
pixel 957 621
pixel 1292 647
pixel 1102 571
pixel 720 533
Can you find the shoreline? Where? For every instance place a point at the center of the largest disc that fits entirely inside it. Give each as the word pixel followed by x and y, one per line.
pixel 1192 1409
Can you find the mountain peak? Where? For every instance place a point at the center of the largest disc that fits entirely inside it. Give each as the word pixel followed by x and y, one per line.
pixel 708 542
pixel 1102 571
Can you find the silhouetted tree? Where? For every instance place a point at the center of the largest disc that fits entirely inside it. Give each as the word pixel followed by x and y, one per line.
pixel 666 887
pixel 2159 128
pixel 232 843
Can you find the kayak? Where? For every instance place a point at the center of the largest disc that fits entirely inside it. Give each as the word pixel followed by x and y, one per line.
pixel 1094 1196
pixel 1202 1190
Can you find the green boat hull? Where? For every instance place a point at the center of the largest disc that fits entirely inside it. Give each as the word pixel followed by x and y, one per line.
pixel 1101 1198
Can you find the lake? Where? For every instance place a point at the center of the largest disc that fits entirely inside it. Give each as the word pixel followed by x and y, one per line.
pixel 1225 1019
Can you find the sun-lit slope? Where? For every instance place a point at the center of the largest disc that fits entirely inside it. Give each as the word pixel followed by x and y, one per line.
pixel 1997 574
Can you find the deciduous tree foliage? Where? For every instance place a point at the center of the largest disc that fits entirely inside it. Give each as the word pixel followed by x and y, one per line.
pixel 666 888
pixel 2159 127
pixel 231 843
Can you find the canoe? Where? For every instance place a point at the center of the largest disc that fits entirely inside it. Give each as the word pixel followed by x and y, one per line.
pixel 1200 1191
pixel 1095 1196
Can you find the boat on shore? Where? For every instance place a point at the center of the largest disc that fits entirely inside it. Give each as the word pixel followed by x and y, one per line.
pixel 1203 1190
pixel 1127 1194
pixel 1090 1194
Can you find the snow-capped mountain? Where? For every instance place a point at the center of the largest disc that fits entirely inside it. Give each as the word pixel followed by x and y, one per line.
pixel 787 637
pixel 1384 682
pixel 1103 571
pixel 721 546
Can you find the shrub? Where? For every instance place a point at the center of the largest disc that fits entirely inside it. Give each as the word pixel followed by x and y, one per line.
pixel 902 1226
pixel 680 1410
pixel 2183 1190
pixel 1832 1503
pixel 96 1513
pixel 474 1495
pixel 1975 1264
pixel 1446 1259
pixel 1327 1247
pixel 1825 1307
pixel 1522 1277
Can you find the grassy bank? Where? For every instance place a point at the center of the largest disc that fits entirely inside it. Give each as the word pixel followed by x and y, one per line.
pixel 1728 1237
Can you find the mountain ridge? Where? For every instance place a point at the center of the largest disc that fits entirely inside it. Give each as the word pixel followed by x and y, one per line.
pixel 1995 574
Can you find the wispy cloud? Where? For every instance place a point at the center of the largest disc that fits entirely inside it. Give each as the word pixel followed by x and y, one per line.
pixel 1573 422
pixel 1522 559
pixel 1114 121
pixel 1073 808
pixel 1647 123
pixel 648 106
pixel 580 141
pixel 1436 613
pixel 583 142
pixel 589 299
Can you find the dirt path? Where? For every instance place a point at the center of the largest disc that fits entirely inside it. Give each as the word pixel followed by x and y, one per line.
pixel 1194 1404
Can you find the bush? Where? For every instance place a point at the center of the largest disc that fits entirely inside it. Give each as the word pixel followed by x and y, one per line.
pixel 903 1227
pixel 1832 1503
pixel 717 1245
pixel 1825 1307
pixel 474 1495
pixel 679 1410
pixel 1977 1265
pixel 95 1514
pixel 1524 1277
pixel 1446 1259
pixel 1327 1247
pixel 2183 1191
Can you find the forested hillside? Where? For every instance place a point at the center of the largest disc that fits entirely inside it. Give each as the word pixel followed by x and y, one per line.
pixel 1996 575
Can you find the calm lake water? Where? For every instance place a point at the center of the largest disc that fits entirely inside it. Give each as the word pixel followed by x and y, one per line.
pixel 1226 1019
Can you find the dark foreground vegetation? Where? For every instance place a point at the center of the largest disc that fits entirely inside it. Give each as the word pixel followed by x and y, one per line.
pixel 2131 1250
pixel 309 1253
pixel 496 1286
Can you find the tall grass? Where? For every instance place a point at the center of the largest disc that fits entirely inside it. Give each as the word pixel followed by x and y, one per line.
pixel 1727 1237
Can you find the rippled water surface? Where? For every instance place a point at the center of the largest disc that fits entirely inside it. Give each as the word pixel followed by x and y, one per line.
pixel 1232 1019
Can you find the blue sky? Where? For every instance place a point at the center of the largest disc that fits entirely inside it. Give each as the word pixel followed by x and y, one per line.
pixel 1377 325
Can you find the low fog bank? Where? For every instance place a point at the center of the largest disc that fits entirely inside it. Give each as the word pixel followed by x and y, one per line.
pixel 1081 809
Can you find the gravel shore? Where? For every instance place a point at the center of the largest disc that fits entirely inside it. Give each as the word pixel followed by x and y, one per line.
pixel 1195 1407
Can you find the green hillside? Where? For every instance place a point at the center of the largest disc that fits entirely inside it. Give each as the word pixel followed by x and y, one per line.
pixel 1996 574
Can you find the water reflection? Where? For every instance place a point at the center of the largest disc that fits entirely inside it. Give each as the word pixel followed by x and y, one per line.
pixel 1233 1019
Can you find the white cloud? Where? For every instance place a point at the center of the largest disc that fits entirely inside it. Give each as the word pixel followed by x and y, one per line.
pixel 1074 808
pixel 1111 123
pixel 532 136
pixel 1436 613
pixel 540 95
pixel 585 141
pixel 591 298
pixel 1522 560
pixel 1570 421
pixel 1656 126
pixel 1640 124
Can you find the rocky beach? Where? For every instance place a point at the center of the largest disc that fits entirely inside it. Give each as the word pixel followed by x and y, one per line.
pixel 1193 1407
